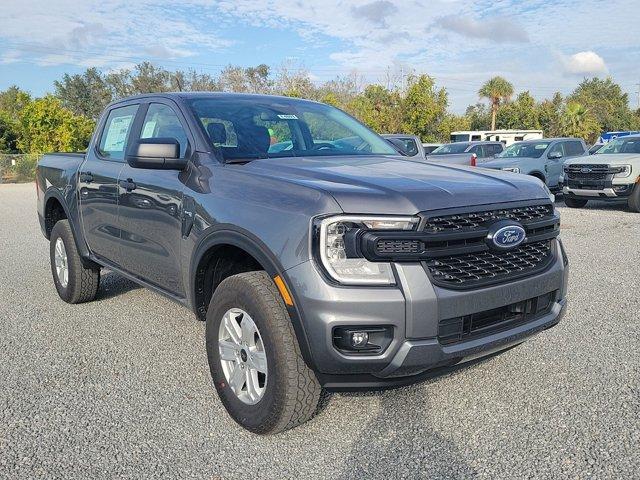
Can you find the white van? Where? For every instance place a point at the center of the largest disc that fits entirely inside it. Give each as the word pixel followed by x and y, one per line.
pixel 505 136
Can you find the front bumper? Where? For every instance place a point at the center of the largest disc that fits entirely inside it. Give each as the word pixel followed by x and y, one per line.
pixel 609 193
pixel 414 308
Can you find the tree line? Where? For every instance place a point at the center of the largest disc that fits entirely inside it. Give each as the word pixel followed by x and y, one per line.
pixel 63 120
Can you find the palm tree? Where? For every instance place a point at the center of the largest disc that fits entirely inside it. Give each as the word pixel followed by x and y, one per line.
pixel 497 90
pixel 578 121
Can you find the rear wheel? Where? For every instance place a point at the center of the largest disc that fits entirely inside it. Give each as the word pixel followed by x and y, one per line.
pixel 634 199
pixel 575 202
pixel 254 356
pixel 74 282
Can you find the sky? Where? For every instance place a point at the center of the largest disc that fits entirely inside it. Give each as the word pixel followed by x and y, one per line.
pixel 538 45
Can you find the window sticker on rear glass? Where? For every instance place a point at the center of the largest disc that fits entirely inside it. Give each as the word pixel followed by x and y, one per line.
pixel 288 117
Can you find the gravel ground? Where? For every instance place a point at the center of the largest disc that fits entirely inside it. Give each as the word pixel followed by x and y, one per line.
pixel 120 387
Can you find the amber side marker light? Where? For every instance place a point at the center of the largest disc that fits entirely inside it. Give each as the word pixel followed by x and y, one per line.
pixel 282 288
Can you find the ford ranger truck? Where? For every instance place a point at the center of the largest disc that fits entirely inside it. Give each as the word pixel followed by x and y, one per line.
pixel 611 174
pixel 330 263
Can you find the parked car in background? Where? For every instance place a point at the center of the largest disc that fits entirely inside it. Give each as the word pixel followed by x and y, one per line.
pixel 466 153
pixel 334 264
pixel 430 147
pixel 543 159
pixel 613 173
pixel 505 136
pixel 407 145
pixel 595 147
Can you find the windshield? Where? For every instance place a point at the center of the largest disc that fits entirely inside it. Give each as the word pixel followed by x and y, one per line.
pixel 250 128
pixel 450 148
pixel 525 149
pixel 621 145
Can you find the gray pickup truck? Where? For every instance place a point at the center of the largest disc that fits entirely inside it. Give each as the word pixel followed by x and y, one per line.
pixel 331 264
pixel 466 153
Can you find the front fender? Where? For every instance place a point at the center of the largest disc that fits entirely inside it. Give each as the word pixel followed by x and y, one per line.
pixel 227 234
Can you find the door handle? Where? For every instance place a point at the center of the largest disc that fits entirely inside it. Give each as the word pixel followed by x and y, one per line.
pixel 128 184
pixel 86 177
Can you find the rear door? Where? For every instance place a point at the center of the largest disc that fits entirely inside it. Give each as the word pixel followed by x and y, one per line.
pixel 98 183
pixel 150 213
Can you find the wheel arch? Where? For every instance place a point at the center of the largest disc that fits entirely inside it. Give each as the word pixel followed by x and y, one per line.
pixel 225 235
pixel 539 175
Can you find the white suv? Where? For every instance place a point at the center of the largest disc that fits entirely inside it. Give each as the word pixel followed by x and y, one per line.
pixel 612 173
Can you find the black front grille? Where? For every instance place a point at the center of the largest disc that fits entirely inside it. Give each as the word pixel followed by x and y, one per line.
pixel 455 248
pixel 460 329
pixel 483 218
pixel 477 268
pixel 589 177
pixel 586 176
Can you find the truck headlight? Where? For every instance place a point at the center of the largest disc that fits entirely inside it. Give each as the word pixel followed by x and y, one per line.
pixel 623 171
pixel 338 251
pixel 511 169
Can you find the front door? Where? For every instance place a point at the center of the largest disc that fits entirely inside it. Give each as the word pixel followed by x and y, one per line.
pixel 98 184
pixel 150 210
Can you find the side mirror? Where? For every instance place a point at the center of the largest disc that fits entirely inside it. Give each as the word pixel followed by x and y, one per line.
pixel 554 155
pixel 156 153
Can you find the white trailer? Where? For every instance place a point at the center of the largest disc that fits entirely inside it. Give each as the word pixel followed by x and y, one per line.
pixel 505 136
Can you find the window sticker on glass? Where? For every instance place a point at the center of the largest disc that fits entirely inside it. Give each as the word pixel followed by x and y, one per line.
pixel 541 146
pixel 287 117
pixel 117 134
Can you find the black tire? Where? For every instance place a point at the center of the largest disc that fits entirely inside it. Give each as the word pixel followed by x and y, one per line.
pixel 292 392
pixel 83 282
pixel 634 199
pixel 575 202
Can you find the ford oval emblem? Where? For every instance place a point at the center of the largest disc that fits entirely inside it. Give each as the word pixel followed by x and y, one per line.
pixel 506 235
pixel 585 170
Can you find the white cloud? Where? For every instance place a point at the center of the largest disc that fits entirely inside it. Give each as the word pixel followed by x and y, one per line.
pixel 584 63
pixel 497 30
pixel 101 32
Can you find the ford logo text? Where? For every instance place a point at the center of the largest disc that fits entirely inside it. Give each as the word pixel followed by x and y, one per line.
pixel 503 237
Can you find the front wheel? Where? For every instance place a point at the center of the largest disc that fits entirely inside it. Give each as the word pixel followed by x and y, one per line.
pixel 575 202
pixel 634 199
pixel 254 356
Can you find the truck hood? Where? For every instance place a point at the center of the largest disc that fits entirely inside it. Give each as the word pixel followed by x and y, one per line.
pixel 392 185
pixel 607 159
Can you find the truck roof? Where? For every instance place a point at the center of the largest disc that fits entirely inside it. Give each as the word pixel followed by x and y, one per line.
pixel 204 95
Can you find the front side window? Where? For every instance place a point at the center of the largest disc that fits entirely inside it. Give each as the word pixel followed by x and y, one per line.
pixel 162 122
pixel 249 128
pixel 525 149
pixel 556 149
pixel 113 140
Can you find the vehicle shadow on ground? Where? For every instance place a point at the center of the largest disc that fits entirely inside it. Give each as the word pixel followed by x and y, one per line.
pixel 396 429
pixel 620 205
pixel 113 285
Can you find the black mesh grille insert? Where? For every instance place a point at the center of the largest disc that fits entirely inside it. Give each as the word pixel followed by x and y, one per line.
pixel 476 268
pixel 475 220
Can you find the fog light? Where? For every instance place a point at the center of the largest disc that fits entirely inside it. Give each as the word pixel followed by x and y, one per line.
pixel 359 339
pixel 362 340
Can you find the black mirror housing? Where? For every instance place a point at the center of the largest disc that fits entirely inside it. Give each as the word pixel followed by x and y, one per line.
pixel 156 153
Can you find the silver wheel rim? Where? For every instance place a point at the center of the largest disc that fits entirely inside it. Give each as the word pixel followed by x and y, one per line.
pixel 242 356
pixel 62 266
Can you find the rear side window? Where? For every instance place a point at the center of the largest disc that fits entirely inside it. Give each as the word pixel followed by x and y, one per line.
pixel 162 122
pixel 494 148
pixel 573 148
pixel 113 140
